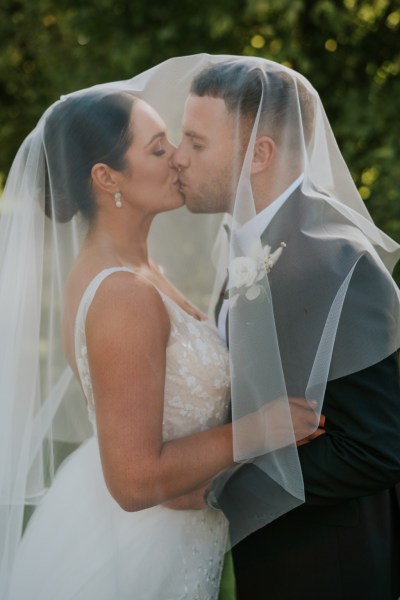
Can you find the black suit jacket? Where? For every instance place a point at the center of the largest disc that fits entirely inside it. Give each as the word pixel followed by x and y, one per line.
pixel 344 542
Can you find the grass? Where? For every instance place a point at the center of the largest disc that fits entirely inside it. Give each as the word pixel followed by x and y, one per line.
pixel 227 589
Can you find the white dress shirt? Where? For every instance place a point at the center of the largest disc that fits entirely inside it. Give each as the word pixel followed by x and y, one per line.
pixel 250 231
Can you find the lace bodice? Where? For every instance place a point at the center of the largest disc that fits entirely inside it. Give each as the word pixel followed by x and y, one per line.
pixel 197 368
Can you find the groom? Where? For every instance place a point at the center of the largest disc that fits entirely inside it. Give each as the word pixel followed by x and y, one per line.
pixel 344 542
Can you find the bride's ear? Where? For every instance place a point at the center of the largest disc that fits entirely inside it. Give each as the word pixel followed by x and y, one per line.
pixel 263 153
pixel 104 178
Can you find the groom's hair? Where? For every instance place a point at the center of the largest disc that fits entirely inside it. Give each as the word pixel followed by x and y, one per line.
pixel 247 88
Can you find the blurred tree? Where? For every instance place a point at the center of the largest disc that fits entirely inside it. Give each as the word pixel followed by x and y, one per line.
pixel 348 49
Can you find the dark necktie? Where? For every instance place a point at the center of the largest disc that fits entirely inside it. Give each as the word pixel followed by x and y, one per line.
pixel 218 305
pixel 223 289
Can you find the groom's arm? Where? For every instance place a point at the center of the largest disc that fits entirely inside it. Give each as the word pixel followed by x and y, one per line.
pixel 358 456
pixel 360 453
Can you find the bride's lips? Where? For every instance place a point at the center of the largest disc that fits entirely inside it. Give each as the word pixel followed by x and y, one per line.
pixel 178 183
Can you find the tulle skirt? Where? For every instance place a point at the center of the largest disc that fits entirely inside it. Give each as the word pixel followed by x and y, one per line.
pixel 81 545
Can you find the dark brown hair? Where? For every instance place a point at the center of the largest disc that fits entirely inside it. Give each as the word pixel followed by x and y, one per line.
pixel 244 86
pixel 80 131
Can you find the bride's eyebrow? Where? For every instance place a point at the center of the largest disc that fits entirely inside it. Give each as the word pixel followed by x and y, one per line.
pixel 160 134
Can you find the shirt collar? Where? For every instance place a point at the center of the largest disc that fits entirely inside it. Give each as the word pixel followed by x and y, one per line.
pixel 255 227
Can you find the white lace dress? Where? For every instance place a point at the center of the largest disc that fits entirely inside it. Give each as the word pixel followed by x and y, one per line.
pixel 80 544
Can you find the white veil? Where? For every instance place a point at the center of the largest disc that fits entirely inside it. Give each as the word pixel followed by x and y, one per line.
pixel 311 298
pixel 43 412
pixel 41 406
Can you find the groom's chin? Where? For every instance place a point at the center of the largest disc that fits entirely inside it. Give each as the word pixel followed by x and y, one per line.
pixel 200 208
pixel 193 207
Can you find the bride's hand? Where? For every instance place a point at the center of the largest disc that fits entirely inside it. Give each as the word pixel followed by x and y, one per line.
pixel 275 425
pixel 193 501
pixel 319 431
pixel 304 418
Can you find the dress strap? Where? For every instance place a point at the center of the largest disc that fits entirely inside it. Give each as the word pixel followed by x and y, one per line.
pixel 80 334
pixel 89 294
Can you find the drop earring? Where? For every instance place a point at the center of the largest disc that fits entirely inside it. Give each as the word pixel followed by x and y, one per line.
pixel 117 198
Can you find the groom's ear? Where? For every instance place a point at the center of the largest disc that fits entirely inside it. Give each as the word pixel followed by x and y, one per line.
pixel 263 153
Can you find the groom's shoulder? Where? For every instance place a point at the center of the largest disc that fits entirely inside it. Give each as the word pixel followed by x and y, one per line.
pixel 325 230
pixel 315 231
pixel 322 244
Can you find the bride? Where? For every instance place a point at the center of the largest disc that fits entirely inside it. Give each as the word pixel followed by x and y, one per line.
pixel 153 370
pixel 79 202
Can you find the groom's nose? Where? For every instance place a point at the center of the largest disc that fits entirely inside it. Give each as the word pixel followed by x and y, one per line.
pixel 179 159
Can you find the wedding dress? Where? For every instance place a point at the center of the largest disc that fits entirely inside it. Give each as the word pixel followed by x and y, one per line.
pixel 80 544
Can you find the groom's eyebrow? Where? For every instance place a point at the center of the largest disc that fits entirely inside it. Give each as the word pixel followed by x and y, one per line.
pixel 194 134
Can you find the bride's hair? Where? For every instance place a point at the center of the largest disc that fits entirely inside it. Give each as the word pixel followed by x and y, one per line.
pixel 79 132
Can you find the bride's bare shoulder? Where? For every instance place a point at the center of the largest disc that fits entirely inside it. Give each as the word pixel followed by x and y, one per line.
pixel 121 298
pixel 124 297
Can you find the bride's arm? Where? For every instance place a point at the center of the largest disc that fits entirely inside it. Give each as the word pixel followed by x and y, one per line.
pixel 127 330
pixel 197 500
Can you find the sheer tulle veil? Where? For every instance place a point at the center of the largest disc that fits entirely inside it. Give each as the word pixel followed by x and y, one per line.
pixel 42 411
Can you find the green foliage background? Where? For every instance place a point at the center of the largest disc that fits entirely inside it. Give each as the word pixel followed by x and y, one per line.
pixel 348 49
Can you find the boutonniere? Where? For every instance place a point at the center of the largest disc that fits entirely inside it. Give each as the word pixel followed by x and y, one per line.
pixel 245 272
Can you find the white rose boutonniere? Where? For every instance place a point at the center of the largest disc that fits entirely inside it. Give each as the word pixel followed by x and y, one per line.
pixel 246 271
